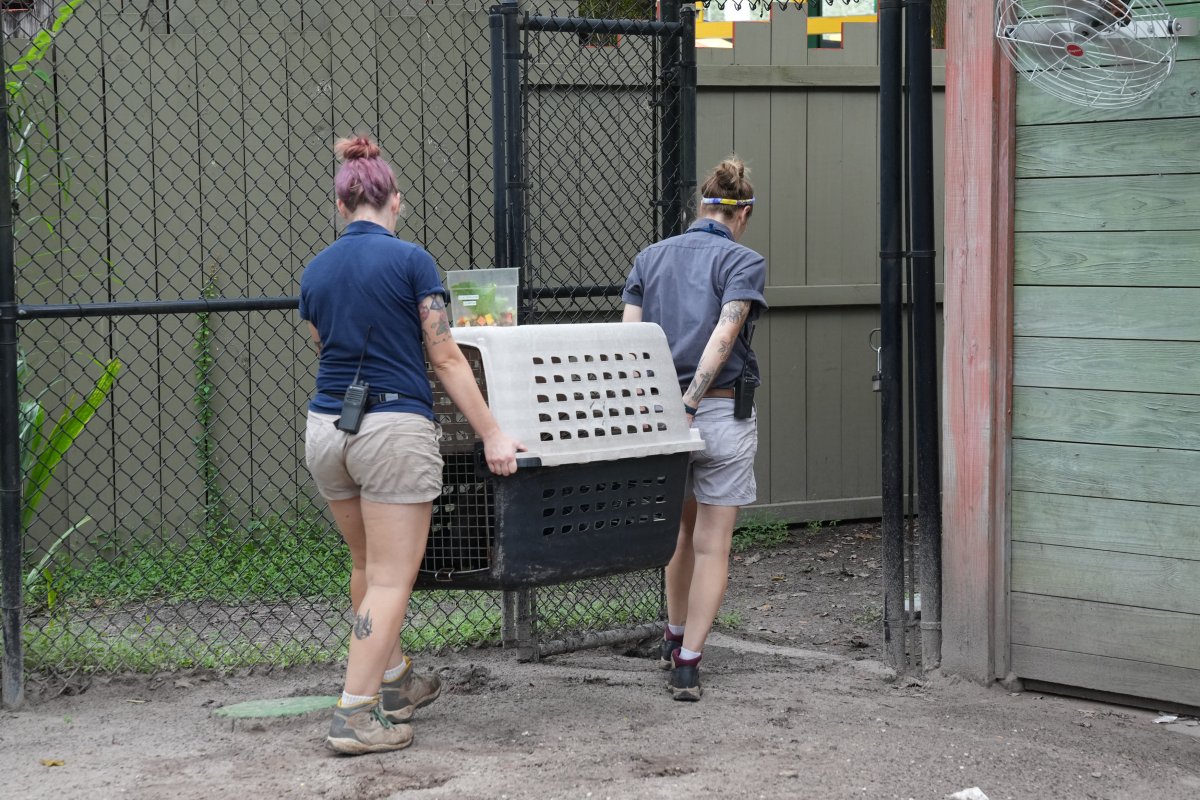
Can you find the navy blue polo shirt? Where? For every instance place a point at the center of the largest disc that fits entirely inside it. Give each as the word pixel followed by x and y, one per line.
pixel 368 277
pixel 681 283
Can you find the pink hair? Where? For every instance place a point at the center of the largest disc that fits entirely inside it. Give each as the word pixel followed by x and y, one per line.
pixel 363 177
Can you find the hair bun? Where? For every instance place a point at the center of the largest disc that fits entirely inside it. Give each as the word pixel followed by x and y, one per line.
pixel 733 170
pixel 356 147
pixel 727 181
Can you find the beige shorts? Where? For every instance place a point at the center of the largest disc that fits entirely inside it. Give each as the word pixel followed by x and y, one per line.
pixel 394 458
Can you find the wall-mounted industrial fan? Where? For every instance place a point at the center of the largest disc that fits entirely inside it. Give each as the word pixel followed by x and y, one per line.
pixel 1097 53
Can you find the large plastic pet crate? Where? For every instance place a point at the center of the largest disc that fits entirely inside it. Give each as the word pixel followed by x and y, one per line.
pixel 601 489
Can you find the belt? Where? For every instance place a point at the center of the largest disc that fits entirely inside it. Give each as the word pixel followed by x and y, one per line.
pixel 714 392
pixel 372 399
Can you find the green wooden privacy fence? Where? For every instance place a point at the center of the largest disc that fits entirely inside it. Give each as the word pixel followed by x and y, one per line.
pixel 1106 443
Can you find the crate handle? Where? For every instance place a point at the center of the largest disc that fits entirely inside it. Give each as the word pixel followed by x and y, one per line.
pixel 525 461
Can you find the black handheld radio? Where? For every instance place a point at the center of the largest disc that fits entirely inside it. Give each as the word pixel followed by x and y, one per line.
pixel 743 390
pixel 355 401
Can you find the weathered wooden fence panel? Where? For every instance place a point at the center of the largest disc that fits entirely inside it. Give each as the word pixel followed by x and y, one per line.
pixel 1105 555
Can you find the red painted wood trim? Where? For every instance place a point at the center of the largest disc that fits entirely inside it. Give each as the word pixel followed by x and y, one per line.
pixel 977 355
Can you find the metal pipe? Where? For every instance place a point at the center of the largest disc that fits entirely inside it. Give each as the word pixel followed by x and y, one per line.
pixel 605 638
pixel 891 262
pixel 11 591
pixel 919 77
pixel 499 208
pixel 150 308
pixel 687 112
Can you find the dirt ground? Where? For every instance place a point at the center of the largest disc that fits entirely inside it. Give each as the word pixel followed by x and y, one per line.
pixel 796 705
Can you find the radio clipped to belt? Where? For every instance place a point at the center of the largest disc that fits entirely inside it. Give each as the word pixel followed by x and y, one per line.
pixel 743 389
pixel 354 401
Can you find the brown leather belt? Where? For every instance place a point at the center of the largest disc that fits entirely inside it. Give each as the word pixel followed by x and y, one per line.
pixel 719 393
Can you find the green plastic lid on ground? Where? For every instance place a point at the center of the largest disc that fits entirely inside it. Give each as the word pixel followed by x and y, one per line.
pixel 277 707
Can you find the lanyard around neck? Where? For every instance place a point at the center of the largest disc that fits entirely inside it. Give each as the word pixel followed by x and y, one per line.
pixel 711 227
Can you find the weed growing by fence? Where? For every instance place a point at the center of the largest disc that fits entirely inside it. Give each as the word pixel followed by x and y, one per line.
pixel 759 531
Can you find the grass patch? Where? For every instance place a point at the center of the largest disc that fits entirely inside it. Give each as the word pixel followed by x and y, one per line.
pixel 68 647
pixel 869 617
pixel 729 620
pixel 449 619
pixel 298 561
pixel 758 531
pixel 269 559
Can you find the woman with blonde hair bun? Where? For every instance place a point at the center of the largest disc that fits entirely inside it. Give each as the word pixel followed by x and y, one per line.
pixel 376 310
pixel 705 290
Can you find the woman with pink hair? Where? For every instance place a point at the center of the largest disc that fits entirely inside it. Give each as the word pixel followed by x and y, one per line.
pixel 376 311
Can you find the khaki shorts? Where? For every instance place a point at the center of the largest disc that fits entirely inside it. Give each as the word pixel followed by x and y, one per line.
pixel 722 474
pixel 394 458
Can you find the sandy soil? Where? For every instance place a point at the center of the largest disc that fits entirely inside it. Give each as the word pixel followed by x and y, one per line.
pixel 796 705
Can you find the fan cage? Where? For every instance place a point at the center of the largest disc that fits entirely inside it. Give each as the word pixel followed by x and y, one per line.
pixel 1105 54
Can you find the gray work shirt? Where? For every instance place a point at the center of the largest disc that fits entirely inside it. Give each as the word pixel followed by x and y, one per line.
pixel 682 282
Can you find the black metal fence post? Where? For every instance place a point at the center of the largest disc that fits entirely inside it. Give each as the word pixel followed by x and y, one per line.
pixel 514 156
pixel 687 113
pixel 918 71
pixel 499 133
pixel 891 262
pixel 670 136
pixel 10 444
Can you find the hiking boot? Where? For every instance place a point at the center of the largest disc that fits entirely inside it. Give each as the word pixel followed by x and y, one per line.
pixel 668 649
pixel 409 692
pixel 685 679
pixel 364 729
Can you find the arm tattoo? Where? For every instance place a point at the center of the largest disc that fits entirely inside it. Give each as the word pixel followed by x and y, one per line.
pixel 735 312
pixel 435 307
pixel 362 625
pixel 700 384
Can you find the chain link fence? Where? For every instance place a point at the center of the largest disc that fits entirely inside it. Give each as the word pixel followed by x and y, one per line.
pixel 171 172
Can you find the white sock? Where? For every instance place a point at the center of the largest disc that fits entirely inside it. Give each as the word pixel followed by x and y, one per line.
pixel 688 655
pixel 397 672
pixel 354 699
pixel 676 630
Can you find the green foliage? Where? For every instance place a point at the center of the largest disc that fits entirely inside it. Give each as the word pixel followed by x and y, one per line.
pixel 26 65
pixel 271 558
pixel 215 508
pixel 26 123
pixel 42 455
pixel 728 620
pixel 476 626
pixel 759 530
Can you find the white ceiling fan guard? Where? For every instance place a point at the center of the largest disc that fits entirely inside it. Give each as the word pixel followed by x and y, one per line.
pixel 1095 53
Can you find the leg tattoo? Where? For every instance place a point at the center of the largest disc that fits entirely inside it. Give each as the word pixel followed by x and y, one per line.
pixel 362 625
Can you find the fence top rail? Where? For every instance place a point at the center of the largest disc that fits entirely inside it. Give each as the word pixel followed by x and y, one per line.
pixel 628 27
pixel 134 308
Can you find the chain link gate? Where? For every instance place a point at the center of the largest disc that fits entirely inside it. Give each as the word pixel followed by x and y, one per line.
pixel 594 135
pixel 169 172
